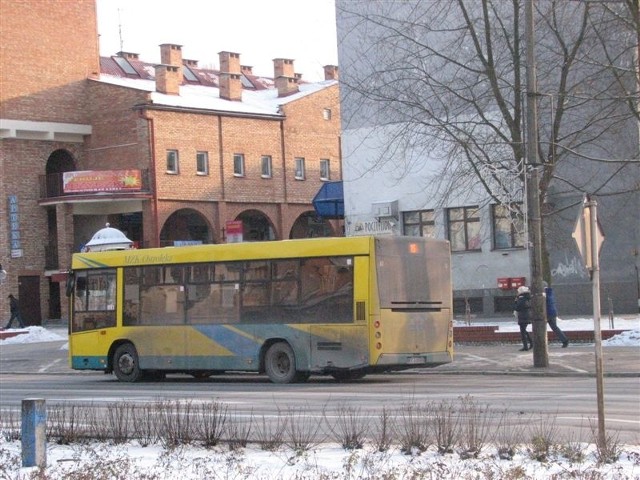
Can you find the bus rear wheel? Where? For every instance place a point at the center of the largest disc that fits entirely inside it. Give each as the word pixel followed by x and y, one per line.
pixel 280 363
pixel 125 363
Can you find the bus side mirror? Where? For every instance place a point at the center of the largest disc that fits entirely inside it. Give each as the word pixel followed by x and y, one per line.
pixel 71 283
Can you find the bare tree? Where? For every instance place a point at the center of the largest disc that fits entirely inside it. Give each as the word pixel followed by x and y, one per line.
pixel 623 57
pixel 447 80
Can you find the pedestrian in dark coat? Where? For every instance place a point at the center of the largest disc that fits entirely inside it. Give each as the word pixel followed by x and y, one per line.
pixel 15 312
pixel 552 316
pixel 522 309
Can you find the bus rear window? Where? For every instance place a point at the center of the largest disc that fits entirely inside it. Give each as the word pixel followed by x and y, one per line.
pixel 412 272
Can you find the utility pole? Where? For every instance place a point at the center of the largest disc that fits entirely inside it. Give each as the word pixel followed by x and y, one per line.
pixel 538 310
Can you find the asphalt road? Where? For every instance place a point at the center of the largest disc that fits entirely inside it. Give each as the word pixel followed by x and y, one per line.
pixel 498 376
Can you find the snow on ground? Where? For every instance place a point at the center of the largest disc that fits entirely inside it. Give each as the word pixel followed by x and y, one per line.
pixel 33 335
pixel 328 461
pixel 629 338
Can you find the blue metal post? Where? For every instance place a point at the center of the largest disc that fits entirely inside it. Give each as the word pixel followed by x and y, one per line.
pixel 34 432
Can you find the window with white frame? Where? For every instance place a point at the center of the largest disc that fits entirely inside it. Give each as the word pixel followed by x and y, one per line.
pixel 508 226
pixel 202 163
pixel 326 114
pixel 463 225
pixel 238 164
pixel 419 223
pixel 172 161
pixel 325 170
pixel 299 173
pixel 265 165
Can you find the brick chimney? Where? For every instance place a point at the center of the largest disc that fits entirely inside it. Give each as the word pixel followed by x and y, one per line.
pixel 230 71
pixel 285 79
pixel 168 79
pixel 282 67
pixel 190 63
pixel 246 69
pixel 128 55
pixel 330 72
pixel 171 54
pixel 286 86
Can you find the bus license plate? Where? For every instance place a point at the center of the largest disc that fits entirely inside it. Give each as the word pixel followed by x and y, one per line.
pixel 417 360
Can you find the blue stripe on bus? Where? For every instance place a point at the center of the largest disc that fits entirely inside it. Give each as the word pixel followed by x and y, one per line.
pixel 249 343
pixel 88 363
pixel 234 342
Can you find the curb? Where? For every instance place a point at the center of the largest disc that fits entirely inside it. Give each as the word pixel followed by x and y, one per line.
pixel 533 373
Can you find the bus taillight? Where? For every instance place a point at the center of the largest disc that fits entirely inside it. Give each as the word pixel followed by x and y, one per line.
pixel 376 324
pixel 414 248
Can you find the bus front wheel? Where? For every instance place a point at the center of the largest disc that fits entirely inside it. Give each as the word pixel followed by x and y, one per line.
pixel 125 363
pixel 280 363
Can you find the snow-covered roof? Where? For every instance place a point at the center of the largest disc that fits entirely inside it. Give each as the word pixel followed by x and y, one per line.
pixel 258 102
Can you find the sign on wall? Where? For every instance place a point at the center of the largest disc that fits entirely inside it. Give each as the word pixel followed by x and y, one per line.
pixel 234 231
pixel 101 181
pixel 14 226
pixel 382 227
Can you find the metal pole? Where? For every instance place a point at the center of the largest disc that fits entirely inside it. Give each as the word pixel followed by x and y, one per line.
pixel 597 335
pixel 34 434
pixel 540 353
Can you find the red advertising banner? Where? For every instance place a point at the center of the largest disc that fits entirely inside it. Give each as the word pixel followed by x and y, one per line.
pixel 101 181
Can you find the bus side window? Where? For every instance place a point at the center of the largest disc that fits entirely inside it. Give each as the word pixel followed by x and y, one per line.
pixel 256 284
pixel 212 293
pixel 131 309
pixel 284 289
pixel 327 286
pixel 311 277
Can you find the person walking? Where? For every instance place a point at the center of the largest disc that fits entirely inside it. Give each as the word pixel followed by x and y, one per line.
pixel 552 316
pixel 522 308
pixel 15 312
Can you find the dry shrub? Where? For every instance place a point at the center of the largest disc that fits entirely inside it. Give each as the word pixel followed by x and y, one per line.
pixel 350 427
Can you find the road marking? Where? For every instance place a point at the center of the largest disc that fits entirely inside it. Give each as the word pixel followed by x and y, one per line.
pixel 608 419
pixel 579 370
pixel 47 367
pixel 478 357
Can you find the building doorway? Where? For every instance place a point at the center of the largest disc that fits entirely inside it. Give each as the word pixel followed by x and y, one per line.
pixel 29 299
pixel 55 310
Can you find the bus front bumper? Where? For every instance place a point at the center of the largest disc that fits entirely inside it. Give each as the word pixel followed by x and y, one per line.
pixel 89 362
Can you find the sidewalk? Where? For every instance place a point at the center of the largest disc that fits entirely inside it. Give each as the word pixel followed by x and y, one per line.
pixel 576 360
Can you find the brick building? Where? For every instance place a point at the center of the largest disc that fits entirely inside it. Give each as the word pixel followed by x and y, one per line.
pixel 169 153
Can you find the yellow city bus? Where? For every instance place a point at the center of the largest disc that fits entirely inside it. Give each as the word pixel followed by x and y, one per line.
pixel 344 307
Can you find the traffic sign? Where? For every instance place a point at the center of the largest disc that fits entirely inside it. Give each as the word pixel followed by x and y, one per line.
pixel 583 234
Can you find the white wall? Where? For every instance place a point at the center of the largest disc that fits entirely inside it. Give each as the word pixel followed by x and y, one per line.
pixel 409 181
